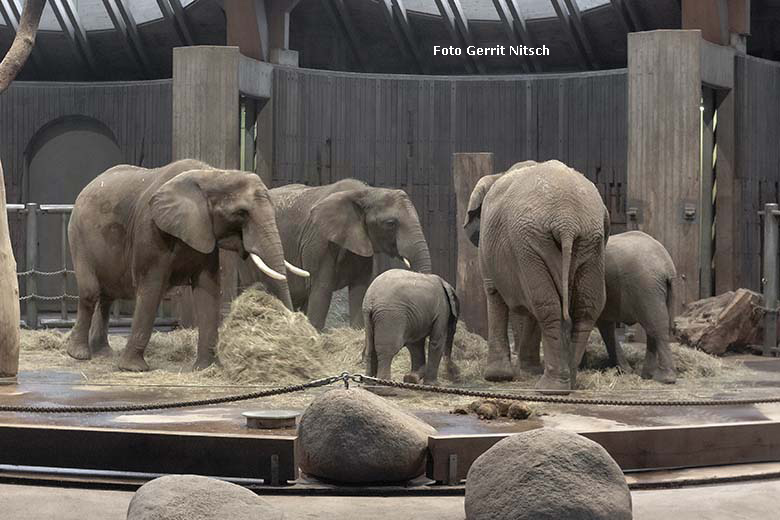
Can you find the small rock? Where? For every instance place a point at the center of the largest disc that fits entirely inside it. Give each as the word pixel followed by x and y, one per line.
pixel 546 474
pixel 519 411
pixel 503 407
pixel 460 410
pixel 176 497
pixel 474 405
pixel 487 411
pixel 353 436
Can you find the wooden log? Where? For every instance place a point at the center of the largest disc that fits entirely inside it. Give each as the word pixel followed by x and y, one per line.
pixel 467 169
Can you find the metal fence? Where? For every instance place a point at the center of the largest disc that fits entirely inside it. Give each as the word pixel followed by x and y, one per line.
pixel 31 214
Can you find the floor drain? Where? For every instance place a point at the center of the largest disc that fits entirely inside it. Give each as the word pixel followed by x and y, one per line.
pixel 271 419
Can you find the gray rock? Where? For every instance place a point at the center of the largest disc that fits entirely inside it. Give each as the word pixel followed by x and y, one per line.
pixel 354 436
pixel 546 474
pixel 191 497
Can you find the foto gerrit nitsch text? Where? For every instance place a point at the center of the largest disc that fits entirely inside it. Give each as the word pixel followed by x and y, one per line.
pixel 495 50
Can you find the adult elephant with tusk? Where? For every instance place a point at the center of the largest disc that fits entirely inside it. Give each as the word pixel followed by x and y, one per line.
pixel 333 232
pixel 136 232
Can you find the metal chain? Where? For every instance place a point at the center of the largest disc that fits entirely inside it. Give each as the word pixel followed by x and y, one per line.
pixel 359 378
pixel 45 273
pixel 173 404
pixel 48 298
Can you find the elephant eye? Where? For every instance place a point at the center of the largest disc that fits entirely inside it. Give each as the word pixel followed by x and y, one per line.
pixel 390 223
pixel 241 213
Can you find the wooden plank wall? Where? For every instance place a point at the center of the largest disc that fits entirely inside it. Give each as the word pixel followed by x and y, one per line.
pixel 401 131
pixel 757 83
pixel 137 113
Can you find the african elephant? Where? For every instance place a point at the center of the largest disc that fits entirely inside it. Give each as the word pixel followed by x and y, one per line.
pixel 542 229
pixel 403 308
pixel 333 232
pixel 639 276
pixel 136 232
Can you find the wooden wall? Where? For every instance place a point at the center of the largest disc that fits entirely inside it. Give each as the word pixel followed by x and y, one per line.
pixel 401 131
pixel 757 83
pixel 138 114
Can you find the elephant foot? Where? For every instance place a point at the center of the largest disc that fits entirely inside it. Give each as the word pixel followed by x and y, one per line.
pixel 133 361
pixel 497 373
pixel 411 377
pixel 431 382
pixel 78 351
pixel 667 377
pixel 203 362
pixel 103 349
pixel 552 384
pixel 530 368
pixel 625 368
pixel 646 374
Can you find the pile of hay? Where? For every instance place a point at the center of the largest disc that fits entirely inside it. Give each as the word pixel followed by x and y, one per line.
pixel 261 341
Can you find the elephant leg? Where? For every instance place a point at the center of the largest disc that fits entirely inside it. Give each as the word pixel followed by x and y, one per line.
pixel 664 369
pixel 321 293
pixel 98 333
pixel 89 294
pixel 617 357
pixel 417 355
pixel 388 341
pixel 206 293
pixel 528 338
pixel 581 329
pixel 357 291
pixel 147 300
pixel 650 365
pixel 436 346
pixel 499 362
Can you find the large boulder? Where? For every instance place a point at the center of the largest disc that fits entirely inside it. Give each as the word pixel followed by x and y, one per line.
pixel 546 474
pixel 730 321
pixel 353 436
pixel 190 497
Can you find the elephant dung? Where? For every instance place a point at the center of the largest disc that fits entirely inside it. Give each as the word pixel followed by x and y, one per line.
pixel 730 321
pixel 353 436
pixel 198 498
pixel 546 473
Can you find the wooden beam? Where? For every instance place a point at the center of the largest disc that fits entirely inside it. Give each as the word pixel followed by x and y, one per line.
pixel 278 15
pixel 124 22
pixel 270 458
pixel 71 25
pixel 508 22
pixel 174 13
pixel 625 21
pixel 342 20
pixel 633 449
pixel 579 28
pixel 462 24
pixel 12 12
pixel 568 29
pixel 521 27
pixel 403 21
pixel 633 15
pixel 403 46
pixel 448 18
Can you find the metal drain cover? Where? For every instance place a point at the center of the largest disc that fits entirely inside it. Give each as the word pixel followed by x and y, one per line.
pixel 271 419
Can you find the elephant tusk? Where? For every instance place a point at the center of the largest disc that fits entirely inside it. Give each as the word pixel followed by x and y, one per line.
pixel 408 265
pixel 296 270
pixel 267 270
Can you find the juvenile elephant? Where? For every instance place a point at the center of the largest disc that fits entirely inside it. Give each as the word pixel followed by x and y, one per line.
pixel 542 233
pixel 639 281
pixel 333 232
pixel 403 308
pixel 136 232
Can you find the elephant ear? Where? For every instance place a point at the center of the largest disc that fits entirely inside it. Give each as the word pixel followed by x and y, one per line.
pixel 180 209
pixel 478 194
pixel 452 297
pixel 339 218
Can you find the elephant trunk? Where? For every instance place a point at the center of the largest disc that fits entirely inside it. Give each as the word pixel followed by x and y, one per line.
pixel 262 242
pixel 413 246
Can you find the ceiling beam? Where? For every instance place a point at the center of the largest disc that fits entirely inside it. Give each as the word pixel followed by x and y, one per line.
pixel 522 30
pixel 343 21
pixel 457 40
pixel 125 24
pixel 12 13
pixel 508 21
pixel 625 21
pixel 633 15
pixel 462 24
pixel 563 17
pixel 174 13
pixel 403 21
pixel 579 27
pixel 69 21
pixel 400 39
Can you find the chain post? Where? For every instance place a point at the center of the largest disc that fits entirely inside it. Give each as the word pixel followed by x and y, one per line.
pixel 770 278
pixel 64 256
pixel 32 264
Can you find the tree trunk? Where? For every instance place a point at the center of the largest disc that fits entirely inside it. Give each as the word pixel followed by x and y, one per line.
pixel 9 297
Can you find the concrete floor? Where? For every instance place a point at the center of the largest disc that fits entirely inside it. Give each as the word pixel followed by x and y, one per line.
pixel 748 500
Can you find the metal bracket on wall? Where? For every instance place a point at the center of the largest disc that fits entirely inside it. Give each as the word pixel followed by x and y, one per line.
pixel 634 212
pixel 689 211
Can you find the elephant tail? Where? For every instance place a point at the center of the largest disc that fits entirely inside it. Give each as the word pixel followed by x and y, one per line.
pixel 671 302
pixel 566 246
pixel 369 351
pixel 452 369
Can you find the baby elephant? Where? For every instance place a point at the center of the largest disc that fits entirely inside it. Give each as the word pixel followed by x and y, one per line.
pixel 402 308
pixel 639 275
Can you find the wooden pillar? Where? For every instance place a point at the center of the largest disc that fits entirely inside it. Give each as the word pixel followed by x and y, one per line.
pixel 467 169
pixel 206 126
pixel 727 275
pixel 664 142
